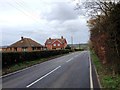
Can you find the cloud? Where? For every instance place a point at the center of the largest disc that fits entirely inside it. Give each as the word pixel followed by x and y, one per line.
pixel 40 20
pixel 61 11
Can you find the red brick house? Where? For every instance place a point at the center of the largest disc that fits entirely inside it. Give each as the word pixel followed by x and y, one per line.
pixel 52 44
pixel 3 48
pixel 25 44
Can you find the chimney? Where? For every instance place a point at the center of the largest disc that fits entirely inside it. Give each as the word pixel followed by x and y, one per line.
pixel 49 38
pixel 61 37
pixel 21 38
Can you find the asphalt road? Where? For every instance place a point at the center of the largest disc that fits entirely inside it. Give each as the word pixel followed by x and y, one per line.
pixel 69 71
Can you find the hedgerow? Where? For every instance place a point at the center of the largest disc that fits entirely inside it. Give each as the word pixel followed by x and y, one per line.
pixel 12 58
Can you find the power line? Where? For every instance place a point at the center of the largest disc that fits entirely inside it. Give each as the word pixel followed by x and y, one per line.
pixel 21 8
pixel 27 14
pixel 26 10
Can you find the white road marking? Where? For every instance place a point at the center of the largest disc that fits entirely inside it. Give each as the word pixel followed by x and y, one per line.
pixel 69 60
pixel 97 77
pixel 76 56
pixel 91 80
pixel 72 58
pixel 26 68
pixel 17 71
pixel 43 77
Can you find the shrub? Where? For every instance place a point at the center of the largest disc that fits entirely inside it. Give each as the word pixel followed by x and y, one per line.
pixel 12 58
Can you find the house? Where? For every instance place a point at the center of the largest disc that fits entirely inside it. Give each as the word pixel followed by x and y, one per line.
pixel 3 48
pixel 25 44
pixel 55 44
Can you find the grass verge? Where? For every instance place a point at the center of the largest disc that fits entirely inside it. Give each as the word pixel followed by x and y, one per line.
pixel 26 64
pixel 107 80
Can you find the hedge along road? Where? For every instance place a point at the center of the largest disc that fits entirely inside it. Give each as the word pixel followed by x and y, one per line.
pixel 69 71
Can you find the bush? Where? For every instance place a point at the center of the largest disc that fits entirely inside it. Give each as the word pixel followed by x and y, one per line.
pixel 79 49
pixel 12 58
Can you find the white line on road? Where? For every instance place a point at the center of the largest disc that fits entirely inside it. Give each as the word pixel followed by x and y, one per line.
pixel 69 60
pixel 25 69
pixel 91 80
pixel 72 58
pixel 18 71
pixel 43 76
pixel 76 55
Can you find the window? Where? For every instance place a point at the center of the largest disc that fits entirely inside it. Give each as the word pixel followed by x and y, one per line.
pixel 54 44
pixel 10 49
pixel 49 42
pixel 24 48
pixel 21 41
pixel 33 48
pixel 58 44
pixel 15 49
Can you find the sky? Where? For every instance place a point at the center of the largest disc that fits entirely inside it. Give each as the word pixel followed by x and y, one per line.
pixel 41 19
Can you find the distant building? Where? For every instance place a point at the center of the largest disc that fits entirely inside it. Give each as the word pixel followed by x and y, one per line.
pixel 79 46
pixel 3 48
pixel 55 44
pixel 25 44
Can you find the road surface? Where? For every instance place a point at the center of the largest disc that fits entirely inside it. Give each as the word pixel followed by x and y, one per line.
pixel 69 71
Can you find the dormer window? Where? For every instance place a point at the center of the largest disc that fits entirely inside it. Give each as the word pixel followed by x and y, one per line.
pixel 21 41
pixel 49 42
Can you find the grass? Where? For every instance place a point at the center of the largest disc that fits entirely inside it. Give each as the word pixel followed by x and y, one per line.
pixel 26 64
pixel 107 80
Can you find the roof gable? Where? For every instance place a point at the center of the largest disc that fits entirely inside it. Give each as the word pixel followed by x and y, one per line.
pixel 56 40
pixel 51 41
pixel 26 42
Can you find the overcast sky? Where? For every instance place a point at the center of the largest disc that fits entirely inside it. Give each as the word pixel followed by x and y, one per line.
pixel 41 19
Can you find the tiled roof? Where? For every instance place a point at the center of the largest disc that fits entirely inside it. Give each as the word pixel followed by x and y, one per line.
pixel 50 41
pixel 26 42
pixel 3 46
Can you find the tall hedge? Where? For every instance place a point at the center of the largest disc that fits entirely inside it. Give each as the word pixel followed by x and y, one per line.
pixel 11 58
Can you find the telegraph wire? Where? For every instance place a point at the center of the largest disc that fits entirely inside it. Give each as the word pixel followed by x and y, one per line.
pixel 28 15
pixel 22 6
pixel 23 11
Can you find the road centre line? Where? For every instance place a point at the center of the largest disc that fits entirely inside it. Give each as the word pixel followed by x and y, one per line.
pixel 17 71
pixel 27 68
pixel 69 60
pixel 42 77
pixel 76 56
pixel 72 58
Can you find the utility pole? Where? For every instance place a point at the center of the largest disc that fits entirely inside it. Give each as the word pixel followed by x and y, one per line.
pixel 72 42
pixel 79 45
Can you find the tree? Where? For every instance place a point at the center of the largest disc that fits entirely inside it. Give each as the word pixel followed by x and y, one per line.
pixel 68 47
pixel 104 27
